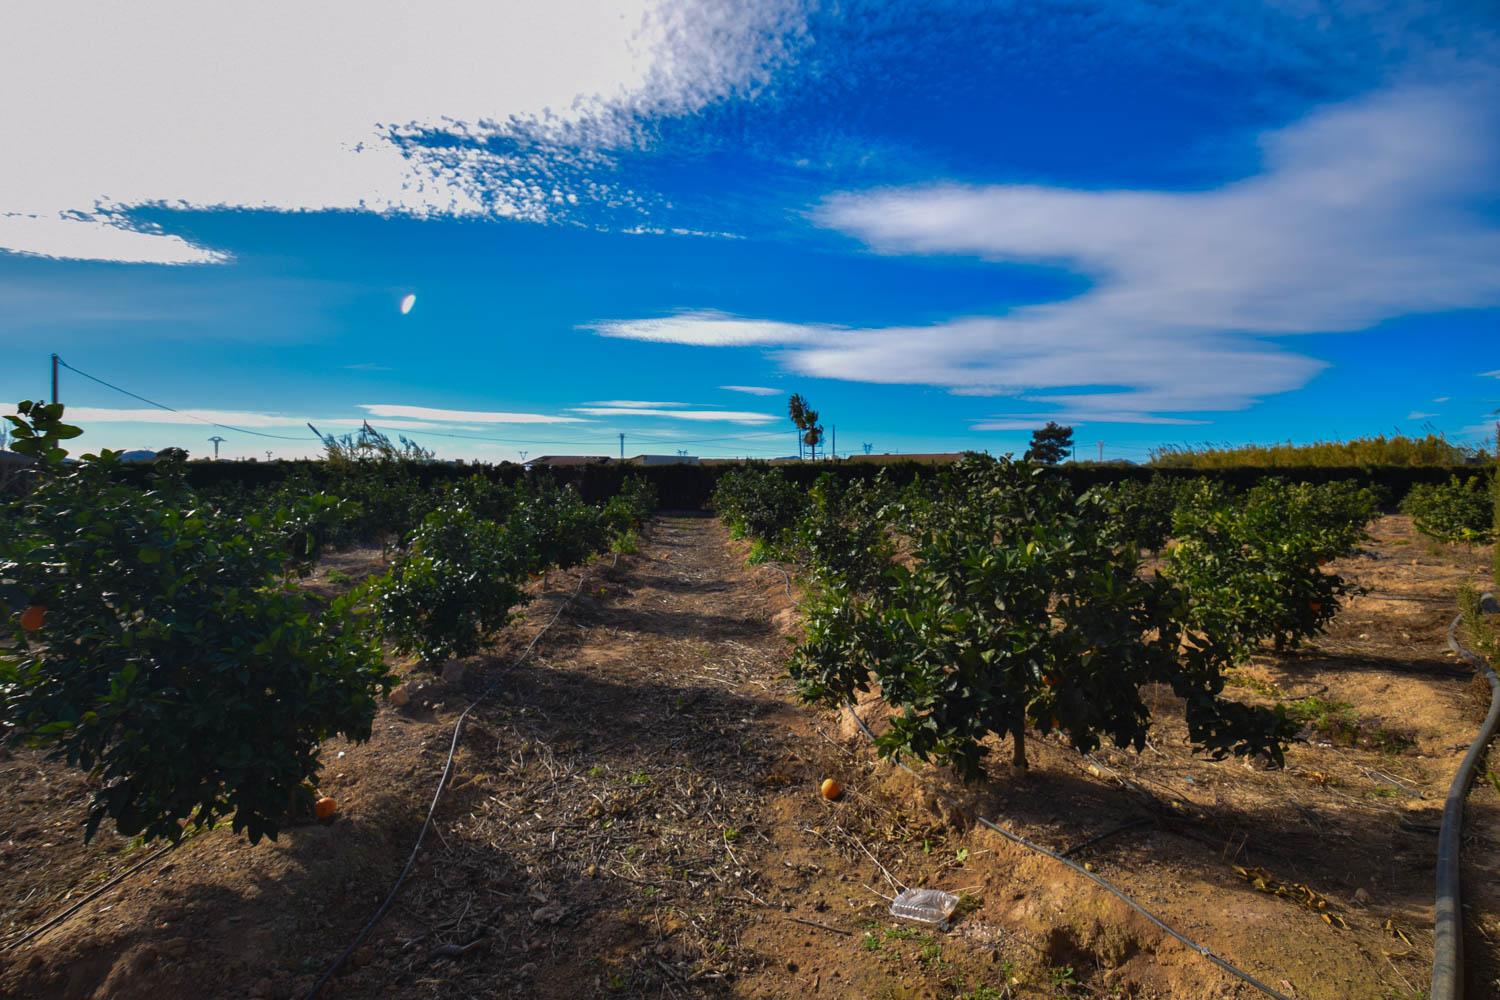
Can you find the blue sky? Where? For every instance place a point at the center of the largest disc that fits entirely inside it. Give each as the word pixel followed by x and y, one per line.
pixel 943 223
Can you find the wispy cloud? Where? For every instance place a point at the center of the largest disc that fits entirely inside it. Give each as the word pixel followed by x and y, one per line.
pixel 465 416
pixel 415 121
pixel 86 415
pixel 255 420
pixel 1363 212
pixel 1441 399
pixel 1031 421
pixel 702 416
pixel 367 366
pixel 752 390
pixel 634 404
pixel 1419 415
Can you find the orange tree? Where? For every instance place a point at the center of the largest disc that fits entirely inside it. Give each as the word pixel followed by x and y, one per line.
pixel 155 644
pixel 1253 564
pixel 452 586
pixel 1455 511
pixel 1019 608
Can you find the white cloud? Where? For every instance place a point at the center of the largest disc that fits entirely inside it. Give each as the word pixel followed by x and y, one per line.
pixel 634 404
pixel 1031 421
pixel 1441 399
pixel 727 416
pixel 1362 212
pixel 1419 415
pixel 316 106
pixel 753 390
pixel 709 328
pixel 86 415
pixel 465 416
pixel 1493 374
pixel 100 236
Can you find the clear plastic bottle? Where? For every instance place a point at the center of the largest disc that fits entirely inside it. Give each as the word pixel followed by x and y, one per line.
pixel 925 906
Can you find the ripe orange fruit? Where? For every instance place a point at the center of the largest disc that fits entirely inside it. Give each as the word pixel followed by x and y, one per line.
pixel 325 808
pixel 33 618
pixel 1315 606
pixel 831 789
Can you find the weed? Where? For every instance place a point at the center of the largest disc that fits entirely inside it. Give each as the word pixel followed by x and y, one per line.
pixel 1334 719
pixel 626 543
pixel 1238 678
pixel 338 576
pixel 1392 742
pixel 870 942
pixel 986 993
pixel 639 778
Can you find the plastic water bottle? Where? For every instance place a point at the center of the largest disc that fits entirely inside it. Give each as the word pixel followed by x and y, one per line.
pixel 925 906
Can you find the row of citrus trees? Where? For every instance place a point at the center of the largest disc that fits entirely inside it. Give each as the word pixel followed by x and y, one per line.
pixel 154 636
pixel 993 599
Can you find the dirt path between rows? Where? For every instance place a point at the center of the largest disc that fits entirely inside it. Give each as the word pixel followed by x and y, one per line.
pixel 635 812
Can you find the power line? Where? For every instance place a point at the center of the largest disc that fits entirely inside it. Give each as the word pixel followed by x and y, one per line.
pixel 173 409
pixel 428 433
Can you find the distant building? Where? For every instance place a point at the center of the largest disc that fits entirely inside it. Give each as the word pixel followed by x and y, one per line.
pixel 661 460
pixel 923 458
pixel 562 460
pixel 559 461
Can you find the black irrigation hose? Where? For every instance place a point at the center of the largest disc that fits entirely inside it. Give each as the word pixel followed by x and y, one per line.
pixel 437 795
pixel 1098 880
pixel 1447 925
pixel 65 914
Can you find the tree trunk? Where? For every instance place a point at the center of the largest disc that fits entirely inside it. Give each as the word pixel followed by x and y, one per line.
pixel 1018 744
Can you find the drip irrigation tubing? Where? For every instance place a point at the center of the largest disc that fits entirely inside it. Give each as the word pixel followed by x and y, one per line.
pixel 1063 859
pixel 116 880
pixel 437 795
pixel 1447 922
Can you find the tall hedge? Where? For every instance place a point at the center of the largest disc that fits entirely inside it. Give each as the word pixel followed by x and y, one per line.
pixel 689 487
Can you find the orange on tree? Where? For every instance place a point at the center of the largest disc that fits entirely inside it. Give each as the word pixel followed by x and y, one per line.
pixel 33 618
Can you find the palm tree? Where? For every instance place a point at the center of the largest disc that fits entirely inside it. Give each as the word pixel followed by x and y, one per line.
pixel 796 408
pixel 814 433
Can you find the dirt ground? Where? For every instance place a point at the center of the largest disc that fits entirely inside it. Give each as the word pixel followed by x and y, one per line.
pixel 634 812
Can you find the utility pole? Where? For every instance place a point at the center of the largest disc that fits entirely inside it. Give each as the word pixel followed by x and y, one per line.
pixel 54 378
pixel 834 454
pixel 523 457
pixel 216 439
pixel 1101 451
pixel 622 446
pixel 868 447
